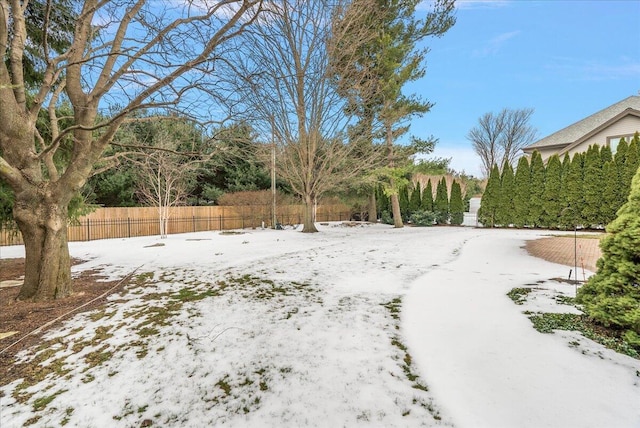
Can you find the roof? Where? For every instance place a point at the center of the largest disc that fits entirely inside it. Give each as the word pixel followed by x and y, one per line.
pixel 573 133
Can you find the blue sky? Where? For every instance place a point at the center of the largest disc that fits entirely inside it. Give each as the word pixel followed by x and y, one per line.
pixel 566 59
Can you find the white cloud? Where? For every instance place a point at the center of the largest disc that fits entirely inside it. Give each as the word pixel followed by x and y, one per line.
pixel 575 69
pixel 494 45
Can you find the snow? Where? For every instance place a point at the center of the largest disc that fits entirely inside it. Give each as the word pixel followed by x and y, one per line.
pixel 301 330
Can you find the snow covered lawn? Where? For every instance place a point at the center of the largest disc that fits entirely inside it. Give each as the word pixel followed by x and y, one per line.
pixel 353 326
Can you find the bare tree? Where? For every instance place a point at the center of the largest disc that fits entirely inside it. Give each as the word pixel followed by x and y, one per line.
pixel 289 94
pixel 498 138
pixel 125 55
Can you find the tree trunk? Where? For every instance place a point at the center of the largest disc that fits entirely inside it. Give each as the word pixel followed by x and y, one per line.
pixel 43 224
pixel 373 215
pixel 308 226
pixel 395 207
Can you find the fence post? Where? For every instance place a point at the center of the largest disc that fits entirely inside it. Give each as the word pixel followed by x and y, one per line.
pixel 88 230
pixel 193 220
pixel 220 223
pixel 129 227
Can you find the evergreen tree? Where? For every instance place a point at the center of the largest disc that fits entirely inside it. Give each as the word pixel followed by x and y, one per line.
pixel 619 161
pixel 427 198
pixel 605 154
pixel 536 208
pixel 505 209
pixel 403 199
pixel 456 204
pixel 631 163
pixel 415 200
pixel 522 189
pixel 609 205
pixel 382 200
pixel 612 295
pixel 573 195
pixel 441 203
pixel 490 199
pixel 592 187
pixel 552 196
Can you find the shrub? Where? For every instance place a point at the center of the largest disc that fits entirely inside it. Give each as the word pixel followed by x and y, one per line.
pixel 423 218
pixel 385 217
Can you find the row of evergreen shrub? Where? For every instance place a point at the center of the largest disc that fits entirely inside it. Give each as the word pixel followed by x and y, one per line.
pixel 419 207
pixel 586 190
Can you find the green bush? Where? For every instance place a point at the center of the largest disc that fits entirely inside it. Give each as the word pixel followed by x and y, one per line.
pixel 385 217
pixel 423 218
pixel 612 295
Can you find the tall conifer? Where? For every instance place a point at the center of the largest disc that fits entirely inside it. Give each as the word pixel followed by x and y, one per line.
pixel 427 198
pixel 573 193
pixel 609 205
pixel 592 187
pixel 619 161
pixel 456 205
pixel 552 195
pixel 536 208
pixel 441 203
pixel 522 189
pixel 415 199
pixel 631 163
pixel 490 199
pixel 504 212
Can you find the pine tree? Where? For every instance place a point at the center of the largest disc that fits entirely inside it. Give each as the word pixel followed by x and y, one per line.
pixel 441 203
pixel 456 205
pixel 505 210
pixel 522 189
pixel 382 200
pixel 536 208
pixel 415 200
pixel 592 187
pixel 609 206
pixel 490 198
pixel 427 198
pixel 552 195
pixel 612 295
pixel 573 194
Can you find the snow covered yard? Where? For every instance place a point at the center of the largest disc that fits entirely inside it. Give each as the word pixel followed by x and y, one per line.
pixel 354 326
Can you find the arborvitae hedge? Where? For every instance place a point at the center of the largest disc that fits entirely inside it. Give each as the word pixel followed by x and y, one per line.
pixel 592 188
pixel 456 204
pixel 403 199
pixel 415 200
pixel 490 198
pixel 522 188
pixel 552 203
pixel 505 208
pixel 612 295
pixel 585 191
pixel 536 207
pixel 441 203
pixel 427 198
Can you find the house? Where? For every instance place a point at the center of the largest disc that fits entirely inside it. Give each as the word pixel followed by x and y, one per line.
pixel 605 127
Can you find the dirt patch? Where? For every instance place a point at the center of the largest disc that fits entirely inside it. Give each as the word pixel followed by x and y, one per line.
pixel 25 317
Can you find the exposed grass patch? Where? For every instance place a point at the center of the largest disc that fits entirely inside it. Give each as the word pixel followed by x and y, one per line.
pixel 519 294
pixel 42 402
pixel 546 323
pixel 98 357
pixel 68 412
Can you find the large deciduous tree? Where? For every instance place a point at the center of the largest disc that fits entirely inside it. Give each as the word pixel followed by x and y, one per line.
pixel 127 55
pixel 288 91
pixel 499 137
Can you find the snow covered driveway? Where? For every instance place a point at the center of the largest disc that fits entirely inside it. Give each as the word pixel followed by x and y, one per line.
pixel 353 326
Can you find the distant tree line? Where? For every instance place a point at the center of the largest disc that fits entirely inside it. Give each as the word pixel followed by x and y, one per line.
pixel 586 190
pixel 419 206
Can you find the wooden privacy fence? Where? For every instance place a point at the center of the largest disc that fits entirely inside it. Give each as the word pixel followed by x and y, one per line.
pixel 105 223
